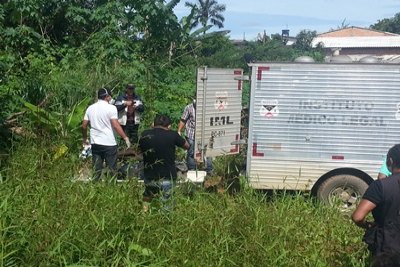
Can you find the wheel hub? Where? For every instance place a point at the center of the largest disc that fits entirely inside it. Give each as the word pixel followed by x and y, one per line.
pixel 346 196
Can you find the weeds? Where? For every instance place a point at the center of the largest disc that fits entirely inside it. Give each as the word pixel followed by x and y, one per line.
pixel 47 220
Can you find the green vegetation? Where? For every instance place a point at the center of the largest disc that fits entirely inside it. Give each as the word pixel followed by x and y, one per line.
pixel 53 57
pixel 208 10
pixel 48 220
pixel 388 24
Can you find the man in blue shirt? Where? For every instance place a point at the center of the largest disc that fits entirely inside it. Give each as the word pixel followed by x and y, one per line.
pixel 384 171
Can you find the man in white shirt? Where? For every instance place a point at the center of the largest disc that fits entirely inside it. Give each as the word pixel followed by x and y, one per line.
pixel 103 119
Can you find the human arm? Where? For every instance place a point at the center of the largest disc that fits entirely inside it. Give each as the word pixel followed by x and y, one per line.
pixel 358 216
pixel 181 125
pixel 372 197
pixel 121 103
pixel 181 142
pixel 184 118
pixel 381 176
pixel 85 124
pixel 117 127
pixel 138 105
pixel 186 145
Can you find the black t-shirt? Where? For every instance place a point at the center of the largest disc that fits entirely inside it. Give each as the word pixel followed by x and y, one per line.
pixel 158 147
pixel 374 194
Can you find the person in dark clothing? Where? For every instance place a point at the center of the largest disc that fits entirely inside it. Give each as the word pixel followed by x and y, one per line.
pixel 386 259
pixel 130 108
pixel 158 146
pixel 382 198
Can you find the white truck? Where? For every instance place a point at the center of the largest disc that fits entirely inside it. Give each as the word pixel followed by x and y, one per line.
pixel 319 127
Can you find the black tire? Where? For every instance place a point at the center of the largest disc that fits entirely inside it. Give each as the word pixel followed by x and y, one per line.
pixel 343 191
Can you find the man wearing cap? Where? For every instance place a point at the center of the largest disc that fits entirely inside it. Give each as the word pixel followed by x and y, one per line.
pixel 130 108
pixel 103 120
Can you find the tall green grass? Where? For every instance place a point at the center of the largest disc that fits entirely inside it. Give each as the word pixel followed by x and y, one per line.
pixel 49 220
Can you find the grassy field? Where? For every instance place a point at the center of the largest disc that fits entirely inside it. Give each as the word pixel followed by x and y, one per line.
pixel 48 220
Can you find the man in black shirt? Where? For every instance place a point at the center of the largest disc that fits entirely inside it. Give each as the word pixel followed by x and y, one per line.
pixel 158 146
pixel 382 198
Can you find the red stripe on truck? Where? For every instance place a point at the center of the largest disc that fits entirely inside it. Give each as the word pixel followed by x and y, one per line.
pixel 337 157
pixel 255 153
pixel 238 72
pixel 236 149
pixel 259 72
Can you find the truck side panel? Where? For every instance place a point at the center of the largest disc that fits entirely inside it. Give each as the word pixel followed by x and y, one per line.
pixel 307 119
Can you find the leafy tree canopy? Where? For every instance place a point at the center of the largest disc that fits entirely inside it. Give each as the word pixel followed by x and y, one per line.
pixel 304 40
pixel 116 28
pixel 388 24
pixel 207 11
pixel 55 53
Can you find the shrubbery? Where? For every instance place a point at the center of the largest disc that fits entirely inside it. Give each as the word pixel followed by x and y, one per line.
pixel 53 57
pixel 47 220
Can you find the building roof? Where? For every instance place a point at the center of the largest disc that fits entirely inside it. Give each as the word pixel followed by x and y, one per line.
pixel 358 42
pixel 355 31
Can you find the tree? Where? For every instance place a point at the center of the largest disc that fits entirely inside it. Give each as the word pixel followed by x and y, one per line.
pixel 112 29
pixel 304 40
pixel 205 11
pixel 263 38
pixel 303 46
pixel 388 25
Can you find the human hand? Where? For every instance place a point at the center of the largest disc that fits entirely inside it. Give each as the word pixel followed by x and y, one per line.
pixel 180 133
pixel 127 142
pixel 85 142
pixel 137 103
pixel 369 224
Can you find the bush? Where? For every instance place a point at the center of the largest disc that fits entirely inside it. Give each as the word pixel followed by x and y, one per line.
pixel 47 219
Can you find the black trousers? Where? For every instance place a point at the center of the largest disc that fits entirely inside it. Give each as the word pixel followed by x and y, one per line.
pixel 131 130
pixel 100 154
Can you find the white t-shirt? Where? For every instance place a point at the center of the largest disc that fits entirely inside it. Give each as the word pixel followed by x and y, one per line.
pixel 99 116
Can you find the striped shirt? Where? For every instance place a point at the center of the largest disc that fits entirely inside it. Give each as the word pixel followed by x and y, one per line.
pixel 189 117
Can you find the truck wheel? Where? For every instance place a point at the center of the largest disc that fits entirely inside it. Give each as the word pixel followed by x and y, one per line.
pixel 343 191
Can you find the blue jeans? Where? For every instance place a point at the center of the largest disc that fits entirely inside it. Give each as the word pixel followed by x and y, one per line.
pixel 190 161
pixel 162 188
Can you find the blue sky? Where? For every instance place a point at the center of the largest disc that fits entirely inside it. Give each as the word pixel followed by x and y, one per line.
pixel 247 18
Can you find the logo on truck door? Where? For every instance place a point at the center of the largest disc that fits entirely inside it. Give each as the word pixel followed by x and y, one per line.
pixel 269 108
pixel 221 100
pixel 220 121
